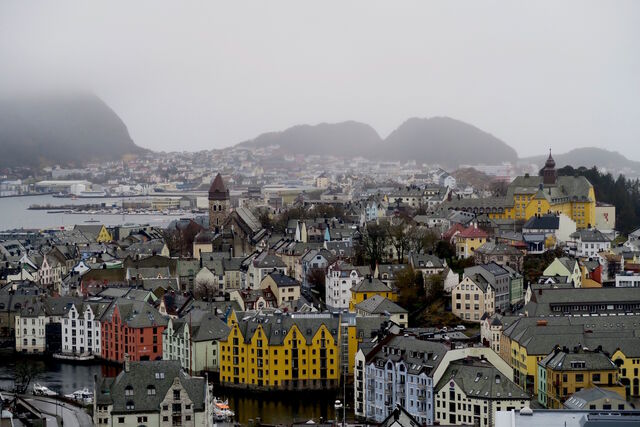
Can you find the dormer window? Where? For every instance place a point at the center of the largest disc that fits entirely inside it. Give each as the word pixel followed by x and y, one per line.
pixel 130 405
pixel 128 391
pixel 151 390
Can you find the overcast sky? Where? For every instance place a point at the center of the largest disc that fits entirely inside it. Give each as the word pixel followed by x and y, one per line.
pixel 201 75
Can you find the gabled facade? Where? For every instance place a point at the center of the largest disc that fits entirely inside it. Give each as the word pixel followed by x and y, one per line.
pixel 154 393
pixel 81 329
pixel 281 352
pixel 133 328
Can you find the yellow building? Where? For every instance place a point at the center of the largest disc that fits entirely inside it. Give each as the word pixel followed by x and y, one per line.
pixel 566 371
pixel 368 288
pixel 627 359
pixel 279 351
pixel 468 240
pixel 528 196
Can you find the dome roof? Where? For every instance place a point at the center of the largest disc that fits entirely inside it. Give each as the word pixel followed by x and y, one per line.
pixel 218 191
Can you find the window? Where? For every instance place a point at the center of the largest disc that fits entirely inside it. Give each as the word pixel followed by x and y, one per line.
pixel 128 391
pixel 151 390
pixel 120 420
pixel 176 394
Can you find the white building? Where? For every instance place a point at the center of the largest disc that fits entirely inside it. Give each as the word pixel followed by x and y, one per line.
pixel 341 277
pixel 262 265
pixel 471 391
pixel 588 243
pixel 30 326
pixel 81 329
pixel 397 372
pixel 627 280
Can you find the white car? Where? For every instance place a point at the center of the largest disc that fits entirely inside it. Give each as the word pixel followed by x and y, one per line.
pixel 460 328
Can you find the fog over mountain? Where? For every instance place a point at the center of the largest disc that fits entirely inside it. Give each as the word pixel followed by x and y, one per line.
pixel 437 140
pixel 205 75
pixel 61 128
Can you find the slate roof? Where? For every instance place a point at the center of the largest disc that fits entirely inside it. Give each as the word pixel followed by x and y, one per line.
pixel 217 190
pixel 493 248
pixel 543 222
pixel 582 398
pixel 276 326
pixel 480 379
pixel 590 235
pixel 282 280
pixel 136 314
pixel 380 305
pixel 573 361
pixel 419 356
pixel 426 261
pixel 141 376
pixel 267 260
pixel 371 284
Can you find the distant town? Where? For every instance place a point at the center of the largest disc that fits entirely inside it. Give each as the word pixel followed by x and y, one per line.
pixel 411 294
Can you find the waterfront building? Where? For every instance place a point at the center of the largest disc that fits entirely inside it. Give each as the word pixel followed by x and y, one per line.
pixel 280 351
pixel 134 328
pixel 152 393
pixel 81 329
pixel 194 341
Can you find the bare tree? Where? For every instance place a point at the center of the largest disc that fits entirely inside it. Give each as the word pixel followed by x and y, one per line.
pixel 24 373
pixel 400 239
pixel 374 242
pixel 205 289
pixel 316 278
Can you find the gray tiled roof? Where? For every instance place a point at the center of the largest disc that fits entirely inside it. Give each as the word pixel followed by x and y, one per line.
pixel 277 326
pixel 141 376
pixel 379 305
pixel 480 379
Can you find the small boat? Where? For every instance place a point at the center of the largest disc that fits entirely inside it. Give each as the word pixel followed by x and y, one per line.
pixel 40 390
pixel 91 220
pixel 83 396
pixel 84 357
pixel 221 410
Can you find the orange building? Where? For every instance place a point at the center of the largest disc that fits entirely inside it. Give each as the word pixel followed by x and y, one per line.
pixel 134 328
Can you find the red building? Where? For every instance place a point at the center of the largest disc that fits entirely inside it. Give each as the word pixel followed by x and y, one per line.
pixel 134 328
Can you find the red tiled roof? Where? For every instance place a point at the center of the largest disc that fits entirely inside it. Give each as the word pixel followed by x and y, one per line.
pixel 473 232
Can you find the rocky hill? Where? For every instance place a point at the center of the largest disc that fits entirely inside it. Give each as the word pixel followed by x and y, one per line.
pixel 438 140
pixel 66 129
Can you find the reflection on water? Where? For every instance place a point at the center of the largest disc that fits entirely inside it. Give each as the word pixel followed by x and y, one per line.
pixel 63 377
pixel 271 408
pixel 282 407
pixel 16 215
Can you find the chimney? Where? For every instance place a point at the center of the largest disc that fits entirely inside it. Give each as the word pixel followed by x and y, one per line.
pixel 127 365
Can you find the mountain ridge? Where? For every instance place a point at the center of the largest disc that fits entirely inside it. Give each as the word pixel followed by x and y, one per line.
pixel 61 128
pixel 426 140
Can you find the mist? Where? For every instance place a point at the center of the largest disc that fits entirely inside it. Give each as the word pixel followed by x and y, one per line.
pixel 205 75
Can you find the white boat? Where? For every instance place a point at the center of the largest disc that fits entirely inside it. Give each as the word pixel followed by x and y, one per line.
pixel 83 396
pixel 40 390
pixel 84 357
pixel 221 410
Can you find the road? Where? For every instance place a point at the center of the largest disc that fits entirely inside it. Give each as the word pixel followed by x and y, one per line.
pixel 72 416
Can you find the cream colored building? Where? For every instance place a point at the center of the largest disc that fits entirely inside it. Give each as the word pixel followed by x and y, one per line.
pixel 472 298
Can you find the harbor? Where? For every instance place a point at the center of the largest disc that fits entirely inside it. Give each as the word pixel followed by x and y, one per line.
pixel 67 379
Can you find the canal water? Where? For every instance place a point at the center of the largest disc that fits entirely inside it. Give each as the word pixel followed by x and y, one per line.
pixel 270 408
